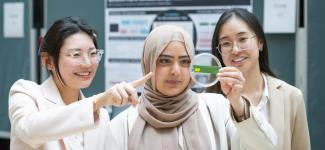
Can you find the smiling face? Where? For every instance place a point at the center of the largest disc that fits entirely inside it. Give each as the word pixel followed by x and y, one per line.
pixel 172 69
pixel 236 31
pixel 77 72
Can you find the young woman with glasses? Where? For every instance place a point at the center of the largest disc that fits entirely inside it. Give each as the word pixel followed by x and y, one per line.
pixel 55 114
pixel 239 41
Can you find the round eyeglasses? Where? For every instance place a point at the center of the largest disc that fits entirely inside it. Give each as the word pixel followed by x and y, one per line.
pixel 225 47
pixel 77 55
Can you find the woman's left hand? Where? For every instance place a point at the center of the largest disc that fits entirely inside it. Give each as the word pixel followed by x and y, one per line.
pixel 232 82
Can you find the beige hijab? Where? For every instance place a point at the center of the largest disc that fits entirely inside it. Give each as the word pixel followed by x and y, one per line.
pixel 160 115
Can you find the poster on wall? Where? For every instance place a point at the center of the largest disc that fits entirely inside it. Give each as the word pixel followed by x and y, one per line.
pixel 127 23
pixel 279 16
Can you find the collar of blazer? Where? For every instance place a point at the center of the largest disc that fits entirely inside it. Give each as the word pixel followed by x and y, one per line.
pixel 51 92
pixel 277 104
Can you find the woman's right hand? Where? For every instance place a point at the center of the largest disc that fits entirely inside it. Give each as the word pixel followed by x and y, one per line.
pixel 232 82
pixel 121 94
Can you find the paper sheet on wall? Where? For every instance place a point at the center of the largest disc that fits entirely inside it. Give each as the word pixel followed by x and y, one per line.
pixel 279 16
pixel 13 20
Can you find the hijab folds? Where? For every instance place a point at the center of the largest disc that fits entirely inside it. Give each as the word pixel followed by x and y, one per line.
pixel 162 118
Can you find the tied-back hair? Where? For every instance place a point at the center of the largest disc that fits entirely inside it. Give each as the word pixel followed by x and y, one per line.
pixel 58 32
pixel 255 26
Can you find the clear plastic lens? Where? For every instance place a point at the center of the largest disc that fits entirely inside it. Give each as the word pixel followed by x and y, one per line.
pixel 204 68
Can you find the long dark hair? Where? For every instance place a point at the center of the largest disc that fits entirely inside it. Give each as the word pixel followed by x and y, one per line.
pixel 255 26
pixel 58 32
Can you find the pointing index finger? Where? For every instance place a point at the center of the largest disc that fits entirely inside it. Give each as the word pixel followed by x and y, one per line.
pixel 142 80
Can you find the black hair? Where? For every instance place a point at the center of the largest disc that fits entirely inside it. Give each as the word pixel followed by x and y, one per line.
pixel 255 26
pixel 58 32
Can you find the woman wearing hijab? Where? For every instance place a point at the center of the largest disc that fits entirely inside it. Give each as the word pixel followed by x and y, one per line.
pixel 171 116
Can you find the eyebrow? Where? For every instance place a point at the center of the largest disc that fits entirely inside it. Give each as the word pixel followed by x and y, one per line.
pixel 242 33
pixel 79 49
pixel 169 56
pixel 238 34
pixel 183 57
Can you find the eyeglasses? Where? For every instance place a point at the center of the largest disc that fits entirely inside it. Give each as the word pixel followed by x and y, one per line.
pixel 77 55
pixel 225 47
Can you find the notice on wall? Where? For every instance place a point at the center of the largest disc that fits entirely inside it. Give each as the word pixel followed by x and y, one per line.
pixel 127 23
pixel 13 20
pixel 279 16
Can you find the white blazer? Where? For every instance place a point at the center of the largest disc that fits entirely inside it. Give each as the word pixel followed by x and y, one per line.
pixel 41 121
pixel 254 133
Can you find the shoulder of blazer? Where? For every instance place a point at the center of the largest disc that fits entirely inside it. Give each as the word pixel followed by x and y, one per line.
pixel 25 86
pixel 283 86
pixel 213 99
pixel 217 105
pixel 273 82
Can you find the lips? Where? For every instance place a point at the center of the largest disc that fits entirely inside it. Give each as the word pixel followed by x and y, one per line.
pixel 173 82
pixel 238 60
pixel 84 75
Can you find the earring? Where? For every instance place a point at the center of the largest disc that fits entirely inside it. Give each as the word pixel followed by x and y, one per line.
pixel 261 49
pixel 49 67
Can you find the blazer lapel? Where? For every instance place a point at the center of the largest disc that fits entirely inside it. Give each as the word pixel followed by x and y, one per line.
pixel 276 107
pixel 51 92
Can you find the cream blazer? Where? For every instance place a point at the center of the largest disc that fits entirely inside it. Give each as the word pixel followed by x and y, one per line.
pixel 254 133
pixel 288 115
pixel 41 121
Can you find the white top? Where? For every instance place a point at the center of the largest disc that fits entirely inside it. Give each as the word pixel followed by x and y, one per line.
pixel 224 133
pixel 264 104
pixel 75 142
